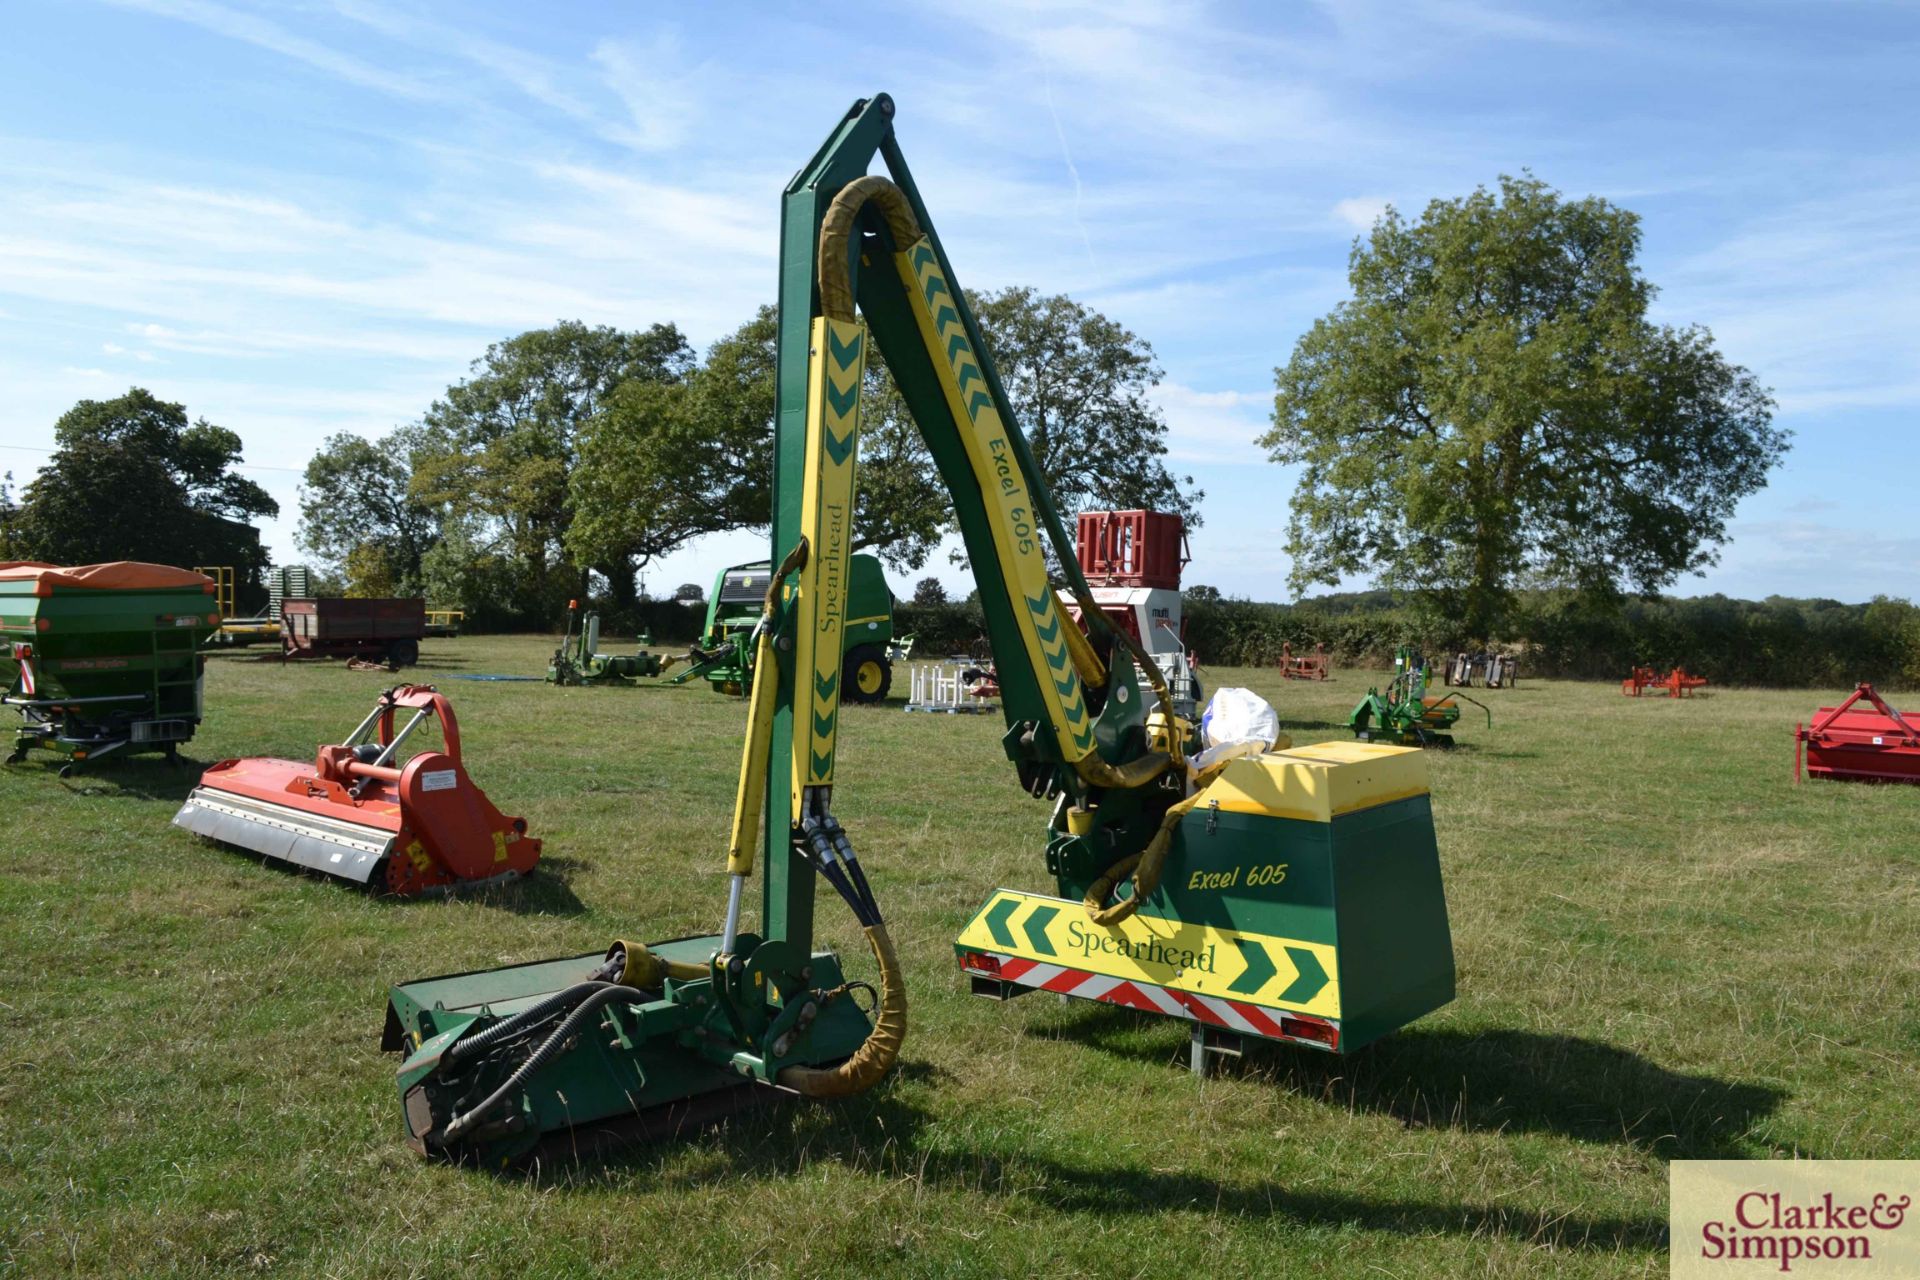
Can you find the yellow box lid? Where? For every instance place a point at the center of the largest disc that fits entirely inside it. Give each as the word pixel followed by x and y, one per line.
pixel 1318 783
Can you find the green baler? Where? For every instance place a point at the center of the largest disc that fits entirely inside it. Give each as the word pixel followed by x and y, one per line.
pixel 734 608
pixel 103 659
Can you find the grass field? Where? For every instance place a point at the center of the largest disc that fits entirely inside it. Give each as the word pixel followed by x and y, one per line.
pixel 1665 950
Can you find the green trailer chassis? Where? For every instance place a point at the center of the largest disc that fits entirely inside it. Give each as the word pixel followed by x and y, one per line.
pixel 86 732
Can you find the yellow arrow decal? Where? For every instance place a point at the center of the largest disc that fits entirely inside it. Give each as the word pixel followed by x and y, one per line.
pixel 1258 968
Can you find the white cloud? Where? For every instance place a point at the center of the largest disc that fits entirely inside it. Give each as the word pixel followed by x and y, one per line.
pixel 261 33
pixel 1360 212
pixel 1213 426
pixel 538 78
pixel 1487 21
pixel 115 349
pixel 1159 72
pixel 1819 297
pixel 259 343
pixel 233 272
pixel 657 96
pixel 1813 558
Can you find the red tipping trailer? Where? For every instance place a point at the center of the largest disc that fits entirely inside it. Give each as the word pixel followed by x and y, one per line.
pixel 389 629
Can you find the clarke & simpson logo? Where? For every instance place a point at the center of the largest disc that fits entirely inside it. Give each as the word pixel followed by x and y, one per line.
pixel 1734 1218
pixel 1765 1225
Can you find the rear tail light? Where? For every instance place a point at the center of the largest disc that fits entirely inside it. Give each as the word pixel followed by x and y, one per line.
pixel 1318 1032
pixel 979 963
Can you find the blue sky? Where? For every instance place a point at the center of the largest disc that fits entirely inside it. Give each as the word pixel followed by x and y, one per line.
pixel 309 217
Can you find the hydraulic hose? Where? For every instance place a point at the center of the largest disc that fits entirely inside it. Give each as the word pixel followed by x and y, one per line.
pixel 848 859
pixel 826 861
pixel 1137 772
pixel 878 1052
pixel 795 560
pixel 836 235
pixel 551 1046
pixel 528 1017
pixel 1144 867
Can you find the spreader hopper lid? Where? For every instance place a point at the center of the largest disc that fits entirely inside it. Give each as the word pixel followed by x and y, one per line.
pixel 1318 783
pixel 115 575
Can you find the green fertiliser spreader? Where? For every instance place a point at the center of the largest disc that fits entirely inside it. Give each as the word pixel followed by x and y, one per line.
pixel 724 656
pixel 1289 895
pixel 103 659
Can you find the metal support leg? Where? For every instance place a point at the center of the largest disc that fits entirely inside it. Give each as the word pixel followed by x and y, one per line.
pixel 1208 1045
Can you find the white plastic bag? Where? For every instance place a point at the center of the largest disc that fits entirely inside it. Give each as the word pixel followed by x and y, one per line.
pixel 1237 722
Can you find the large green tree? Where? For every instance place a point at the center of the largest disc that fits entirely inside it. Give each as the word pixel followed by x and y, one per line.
pixel 665 463
pixel 1081 386
pixel 662 464
pixel 634 494
pixel 1493 407
pixel 9 512
pixel 358 510
pixel 500 448
pixel 132 479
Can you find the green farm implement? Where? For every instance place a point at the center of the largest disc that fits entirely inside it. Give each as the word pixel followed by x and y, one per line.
pixel 578 659
pixel 1406 713
pixel 724 655
pixel 1284 895
pixel 103 659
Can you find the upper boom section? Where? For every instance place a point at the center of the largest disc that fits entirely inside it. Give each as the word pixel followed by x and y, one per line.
pixel 853 241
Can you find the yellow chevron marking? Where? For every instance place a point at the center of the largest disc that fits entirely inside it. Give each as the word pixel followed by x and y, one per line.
pixel 1009 508
pixel 1179 955
pixel 834 369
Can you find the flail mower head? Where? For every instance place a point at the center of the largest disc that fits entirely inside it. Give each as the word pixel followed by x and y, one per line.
pixel 355 813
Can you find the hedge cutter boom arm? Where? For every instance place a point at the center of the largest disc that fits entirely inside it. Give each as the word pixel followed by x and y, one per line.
pixel 659 1035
